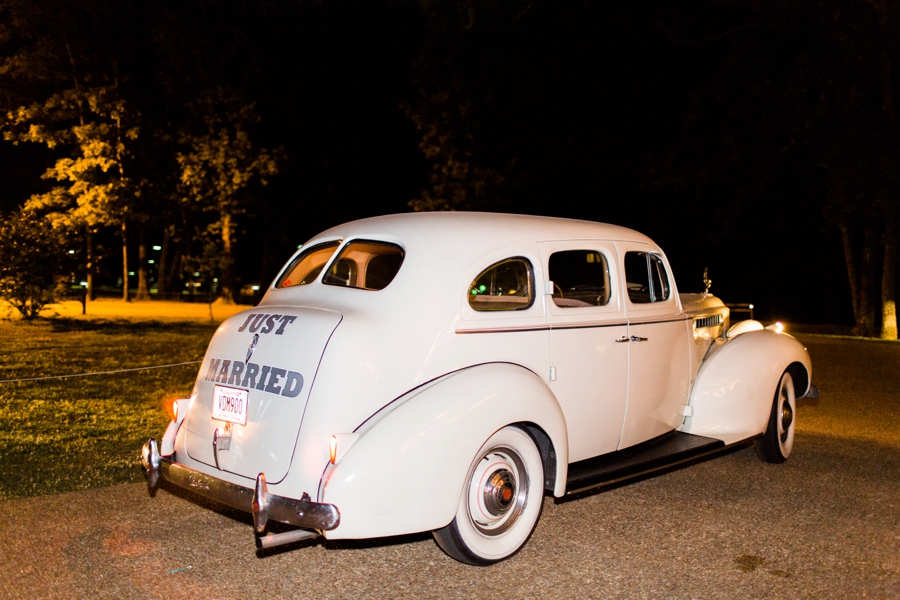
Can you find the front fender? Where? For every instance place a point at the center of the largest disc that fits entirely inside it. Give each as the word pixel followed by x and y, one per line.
pixel 731 398
pixel 405 473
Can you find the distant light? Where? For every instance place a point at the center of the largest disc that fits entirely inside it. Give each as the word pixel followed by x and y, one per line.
pixel 216 279
pixel 196 273
pixel 71 252
pixel 750 306
pixel 151 261
pixel 255 288
pixel 131 272
pixel 157 247
pixel 83 284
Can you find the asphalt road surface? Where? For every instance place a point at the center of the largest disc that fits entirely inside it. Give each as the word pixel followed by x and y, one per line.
pixel 826 524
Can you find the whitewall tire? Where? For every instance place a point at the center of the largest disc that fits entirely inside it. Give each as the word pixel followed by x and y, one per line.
pixel 776 443
pixel 500 503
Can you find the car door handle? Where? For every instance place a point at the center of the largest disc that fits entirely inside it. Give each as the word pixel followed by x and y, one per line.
pixel 622 340
pixel 635 338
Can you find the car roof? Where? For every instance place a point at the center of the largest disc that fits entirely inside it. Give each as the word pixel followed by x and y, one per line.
pixel 486 230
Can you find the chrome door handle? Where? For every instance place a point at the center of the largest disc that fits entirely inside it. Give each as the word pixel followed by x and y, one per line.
pixel 633 338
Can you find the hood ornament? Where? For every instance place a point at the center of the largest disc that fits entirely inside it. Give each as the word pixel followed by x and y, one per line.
pixel 252 347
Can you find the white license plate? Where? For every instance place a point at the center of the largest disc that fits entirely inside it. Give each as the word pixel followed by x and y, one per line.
pixel 230 404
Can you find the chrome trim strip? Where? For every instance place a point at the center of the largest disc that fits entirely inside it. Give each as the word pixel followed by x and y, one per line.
pixel 587 325
pixel 301 513
pixel 505 329
pixel 680 319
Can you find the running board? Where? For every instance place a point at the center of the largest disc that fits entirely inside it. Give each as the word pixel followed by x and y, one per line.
pixel 661 452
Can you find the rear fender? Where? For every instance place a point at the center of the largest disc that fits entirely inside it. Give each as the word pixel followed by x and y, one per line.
pixel 732 394
pixel 407 469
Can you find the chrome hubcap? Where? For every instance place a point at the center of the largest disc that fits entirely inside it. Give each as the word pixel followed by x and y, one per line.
pixel 787 416
pixel 498 491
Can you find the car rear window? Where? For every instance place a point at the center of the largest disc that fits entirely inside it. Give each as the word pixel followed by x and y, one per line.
pixel 505 285
pixel 366 265
pixel 307 266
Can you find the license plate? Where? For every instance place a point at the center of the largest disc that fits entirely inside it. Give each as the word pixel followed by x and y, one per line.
pixel 230 404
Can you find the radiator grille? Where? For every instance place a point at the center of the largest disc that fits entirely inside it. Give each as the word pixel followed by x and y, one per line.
pixel 708 321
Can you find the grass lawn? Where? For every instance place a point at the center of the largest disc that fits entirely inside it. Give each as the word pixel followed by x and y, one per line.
pixel 71 434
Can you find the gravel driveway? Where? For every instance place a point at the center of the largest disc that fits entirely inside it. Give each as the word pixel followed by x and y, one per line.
pixel 826 524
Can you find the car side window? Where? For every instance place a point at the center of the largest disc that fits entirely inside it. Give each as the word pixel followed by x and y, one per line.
pixel 580 278
pixel 307 266
pixel 658 279
pixel 365 264
pixel 505 285
pixel 646 278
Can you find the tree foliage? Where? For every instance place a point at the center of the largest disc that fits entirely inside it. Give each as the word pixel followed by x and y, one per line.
pixel 798 118
pixel 217 166
pixel 34 263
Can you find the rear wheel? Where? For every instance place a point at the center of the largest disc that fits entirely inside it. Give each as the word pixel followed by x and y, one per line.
pixel 776 443
pixel 500 503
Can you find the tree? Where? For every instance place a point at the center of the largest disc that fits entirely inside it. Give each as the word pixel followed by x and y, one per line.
pixel 798 118
pixel 460 107
pixel 94 125
pixel 33 262
pixel 217 165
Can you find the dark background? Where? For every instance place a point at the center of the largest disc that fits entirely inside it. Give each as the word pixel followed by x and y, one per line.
pixel 622 112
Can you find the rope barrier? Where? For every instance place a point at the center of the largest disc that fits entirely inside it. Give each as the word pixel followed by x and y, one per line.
pixel 193 362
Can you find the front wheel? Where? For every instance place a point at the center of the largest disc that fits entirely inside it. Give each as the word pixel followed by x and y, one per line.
pixel 775 445
pixel 500 503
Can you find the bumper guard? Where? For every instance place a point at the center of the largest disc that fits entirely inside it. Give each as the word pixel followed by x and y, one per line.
pixel 259 502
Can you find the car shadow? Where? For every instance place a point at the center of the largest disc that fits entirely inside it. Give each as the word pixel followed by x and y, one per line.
pixel 275 527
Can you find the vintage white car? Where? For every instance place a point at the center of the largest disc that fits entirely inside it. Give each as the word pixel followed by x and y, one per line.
pixel 444 371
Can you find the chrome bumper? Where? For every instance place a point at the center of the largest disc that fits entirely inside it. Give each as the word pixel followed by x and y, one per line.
pixel 264 506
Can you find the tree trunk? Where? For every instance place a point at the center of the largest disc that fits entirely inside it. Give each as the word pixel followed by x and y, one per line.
pixel 852 274
pixel 162 269
pixel 143 291
pixel 867 280
pixel 89 263
pixel 227 282
pixel 888 282
pixel 125 262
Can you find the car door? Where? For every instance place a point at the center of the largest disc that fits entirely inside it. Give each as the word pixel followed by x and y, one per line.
pixel 589 363
pixel 658 350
